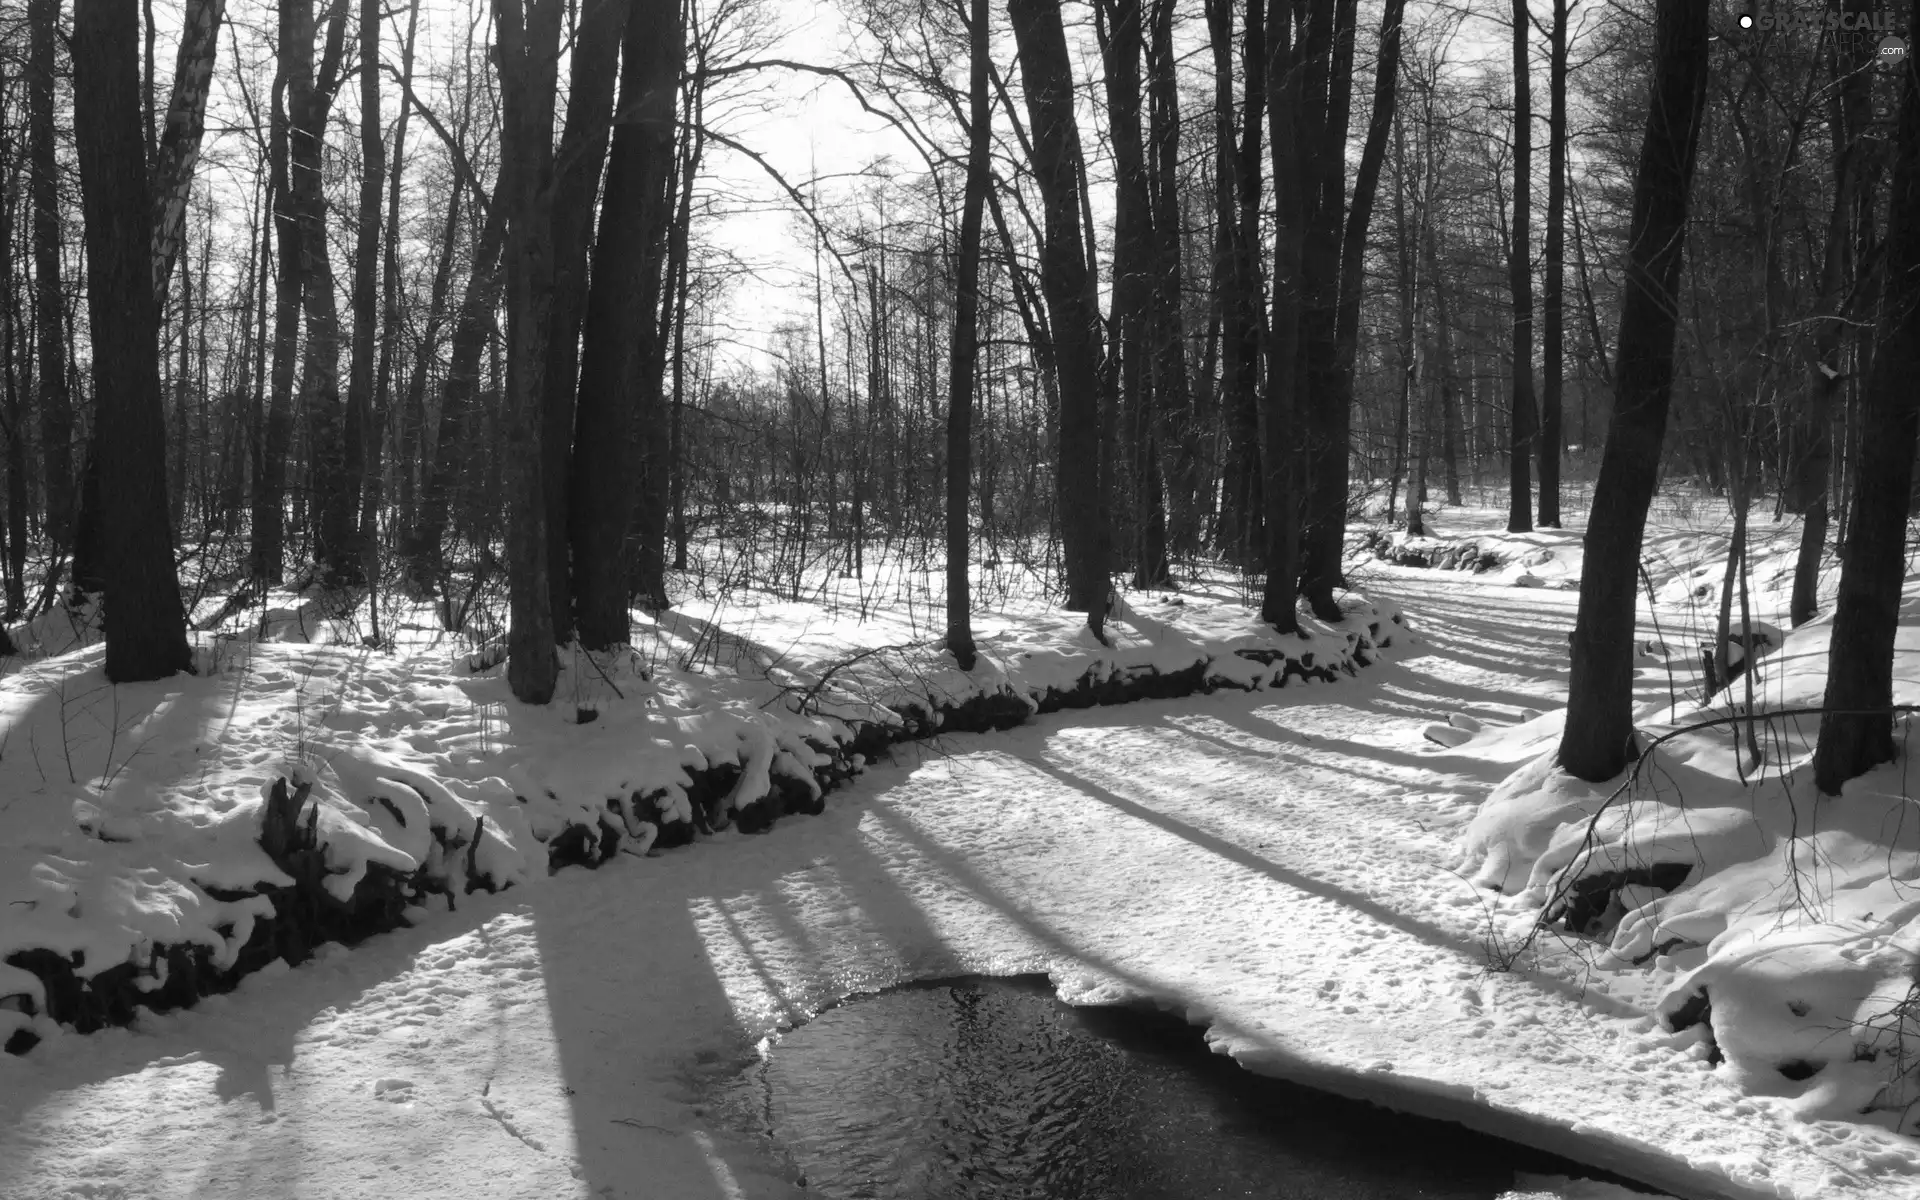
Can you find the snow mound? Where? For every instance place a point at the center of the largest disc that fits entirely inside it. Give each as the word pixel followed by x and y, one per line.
pixel 1785 924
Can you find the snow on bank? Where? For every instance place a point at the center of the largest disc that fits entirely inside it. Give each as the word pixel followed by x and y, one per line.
pixel 1786 923
pixel 131 866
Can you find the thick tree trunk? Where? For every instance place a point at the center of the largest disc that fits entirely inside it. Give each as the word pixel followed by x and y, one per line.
pixel 49 303
pixel 1279 407
pixel 528 54
pixel 145 623
pixel 1598 740
pixel 966 343
pixel 621 360
pixel 1070 290
pixel 577 168
pixel 1854 737
pixel 1553 301
pixel 1327 78
pixel 1522 424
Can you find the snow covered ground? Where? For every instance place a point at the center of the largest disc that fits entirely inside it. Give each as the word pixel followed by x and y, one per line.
pixel 1276 865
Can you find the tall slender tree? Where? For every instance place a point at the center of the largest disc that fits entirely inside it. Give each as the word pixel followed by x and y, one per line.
pixel 186 123
pixel 1553 299
pixel 1279 451
pixel 1856 733
pixel 963 362
pixel 1523 416
pixel 49 301
pixel 1071 290
pixel 1598 741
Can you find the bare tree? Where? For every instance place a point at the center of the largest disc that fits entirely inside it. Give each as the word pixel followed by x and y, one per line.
pixel 145 623
pixel 1598 743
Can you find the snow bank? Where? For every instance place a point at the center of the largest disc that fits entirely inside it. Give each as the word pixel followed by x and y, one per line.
pixel 1784 924
pixel 164 839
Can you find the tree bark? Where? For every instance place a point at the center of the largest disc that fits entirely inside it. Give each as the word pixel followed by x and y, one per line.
pixel 961 362
pixel 1853 736
pixel 49 302
pixel 453 460
pixel 1172 467
pixel 1278 411
pixel 621 360
pixel 1597 743
pixel 365 298
pixel 145 622
pixel 1130 351
pixel 1553 300
pixel 1522 424
pixel 1070 290
pixel 528 54
pixel 1326 69
pixel 578 164
pixel 180 140
pixel 1848 113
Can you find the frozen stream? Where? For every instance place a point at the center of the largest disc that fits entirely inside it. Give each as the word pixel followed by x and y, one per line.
pixel 1274 867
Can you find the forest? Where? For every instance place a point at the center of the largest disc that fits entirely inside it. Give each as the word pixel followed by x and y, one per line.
pixel 438 305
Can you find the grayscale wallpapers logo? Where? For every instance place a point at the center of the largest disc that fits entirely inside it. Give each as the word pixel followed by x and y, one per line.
pixel 1812 16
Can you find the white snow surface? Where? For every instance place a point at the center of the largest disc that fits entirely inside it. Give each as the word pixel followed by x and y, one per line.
pixel 1274 865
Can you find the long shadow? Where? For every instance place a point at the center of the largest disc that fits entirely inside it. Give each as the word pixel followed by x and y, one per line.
pixel 1240 856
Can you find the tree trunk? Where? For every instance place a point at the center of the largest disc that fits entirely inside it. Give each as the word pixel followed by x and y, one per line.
pixel 180 140
pixel 15 566
pixel 275 432
pixel 621 360
pixel 1279 407
pixel 1130 352
pixel 1327 80
pixel 1854 737
pixel 385 423
pixel 145 623
pixel 1171 471
pixel 49 303
pixel 332 427
pixel 582 155
pixel 365 295
pixel 1070 290
pixel 1848 112
pixel 1240 519
pixel 453 458
pixel 1553 302
pixel 966 343
pixel 528 53
pixel 1597 743
pixel 1521 426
